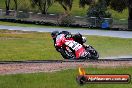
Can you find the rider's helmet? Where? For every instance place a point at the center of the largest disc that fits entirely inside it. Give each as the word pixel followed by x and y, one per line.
pixel 65 32
pixel 84 39
pixel 54 34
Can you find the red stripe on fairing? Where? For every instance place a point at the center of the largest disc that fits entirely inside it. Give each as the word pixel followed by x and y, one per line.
pixel 79 52
pixel 60 41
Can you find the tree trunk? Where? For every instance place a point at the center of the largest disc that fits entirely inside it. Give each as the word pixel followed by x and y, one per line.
pixel 130 15
pixel 44 8
pixel 15 13
pixel 15 1
pixel 43 12
pixel 7 3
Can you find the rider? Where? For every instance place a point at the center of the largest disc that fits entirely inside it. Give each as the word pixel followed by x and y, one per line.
pixel 77 37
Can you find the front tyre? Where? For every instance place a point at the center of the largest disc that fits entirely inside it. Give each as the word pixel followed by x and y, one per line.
pixel 94 54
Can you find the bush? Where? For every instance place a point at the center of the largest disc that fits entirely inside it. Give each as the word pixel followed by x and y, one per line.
pixel 22 15
pixel 66 20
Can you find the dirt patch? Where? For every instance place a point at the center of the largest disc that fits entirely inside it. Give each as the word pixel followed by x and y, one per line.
pixel 51 67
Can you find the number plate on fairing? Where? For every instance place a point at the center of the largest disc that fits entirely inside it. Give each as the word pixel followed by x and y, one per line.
pixel 74 45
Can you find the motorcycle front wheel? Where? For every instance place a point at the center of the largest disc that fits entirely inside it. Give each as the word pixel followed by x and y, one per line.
pixel 94 54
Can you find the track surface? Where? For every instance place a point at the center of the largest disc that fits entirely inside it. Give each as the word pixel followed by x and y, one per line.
pixel 20 67
pixel 60 61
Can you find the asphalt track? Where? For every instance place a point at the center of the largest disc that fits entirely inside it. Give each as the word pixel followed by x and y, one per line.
pixel 119 34
pixel 61 61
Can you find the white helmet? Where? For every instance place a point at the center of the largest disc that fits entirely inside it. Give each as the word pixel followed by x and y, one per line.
pixel 84 39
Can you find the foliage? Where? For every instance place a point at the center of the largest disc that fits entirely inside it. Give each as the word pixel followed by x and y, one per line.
pixel 43 5
pixel 56 8
pixel 82 3
pixel 7 4
pixel 118 5
pixel 22 15
pixel 99 10
pixel 113 4
pixel 66 4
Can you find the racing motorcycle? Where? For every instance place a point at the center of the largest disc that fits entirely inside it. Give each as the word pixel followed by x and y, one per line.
pixel 74 50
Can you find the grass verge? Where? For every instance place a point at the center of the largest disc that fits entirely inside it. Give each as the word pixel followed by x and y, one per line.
pixel 61 79
pixel 18 45
pixel 23 25
pixel 36 25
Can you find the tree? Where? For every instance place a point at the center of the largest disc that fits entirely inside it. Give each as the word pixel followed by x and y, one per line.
pixel 83 3
pixel 66 4
pixel 65 19
pixel 120 5
pixel 99 10
pixel 117 5
pixel 7 3
pixel 43 5
pixel 15 1
pixel 130 15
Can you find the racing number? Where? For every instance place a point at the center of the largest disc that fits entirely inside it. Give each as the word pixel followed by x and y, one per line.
pixel 74 45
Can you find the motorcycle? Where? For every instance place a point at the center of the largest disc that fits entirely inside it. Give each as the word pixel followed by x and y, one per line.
pixel 74 50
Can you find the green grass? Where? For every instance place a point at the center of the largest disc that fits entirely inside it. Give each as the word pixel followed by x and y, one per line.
pixel 23 25
pixel 108 46
pixel 30 46
pixel 34 25
pixel 39 46
pixel 40 26
pixel 61 79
